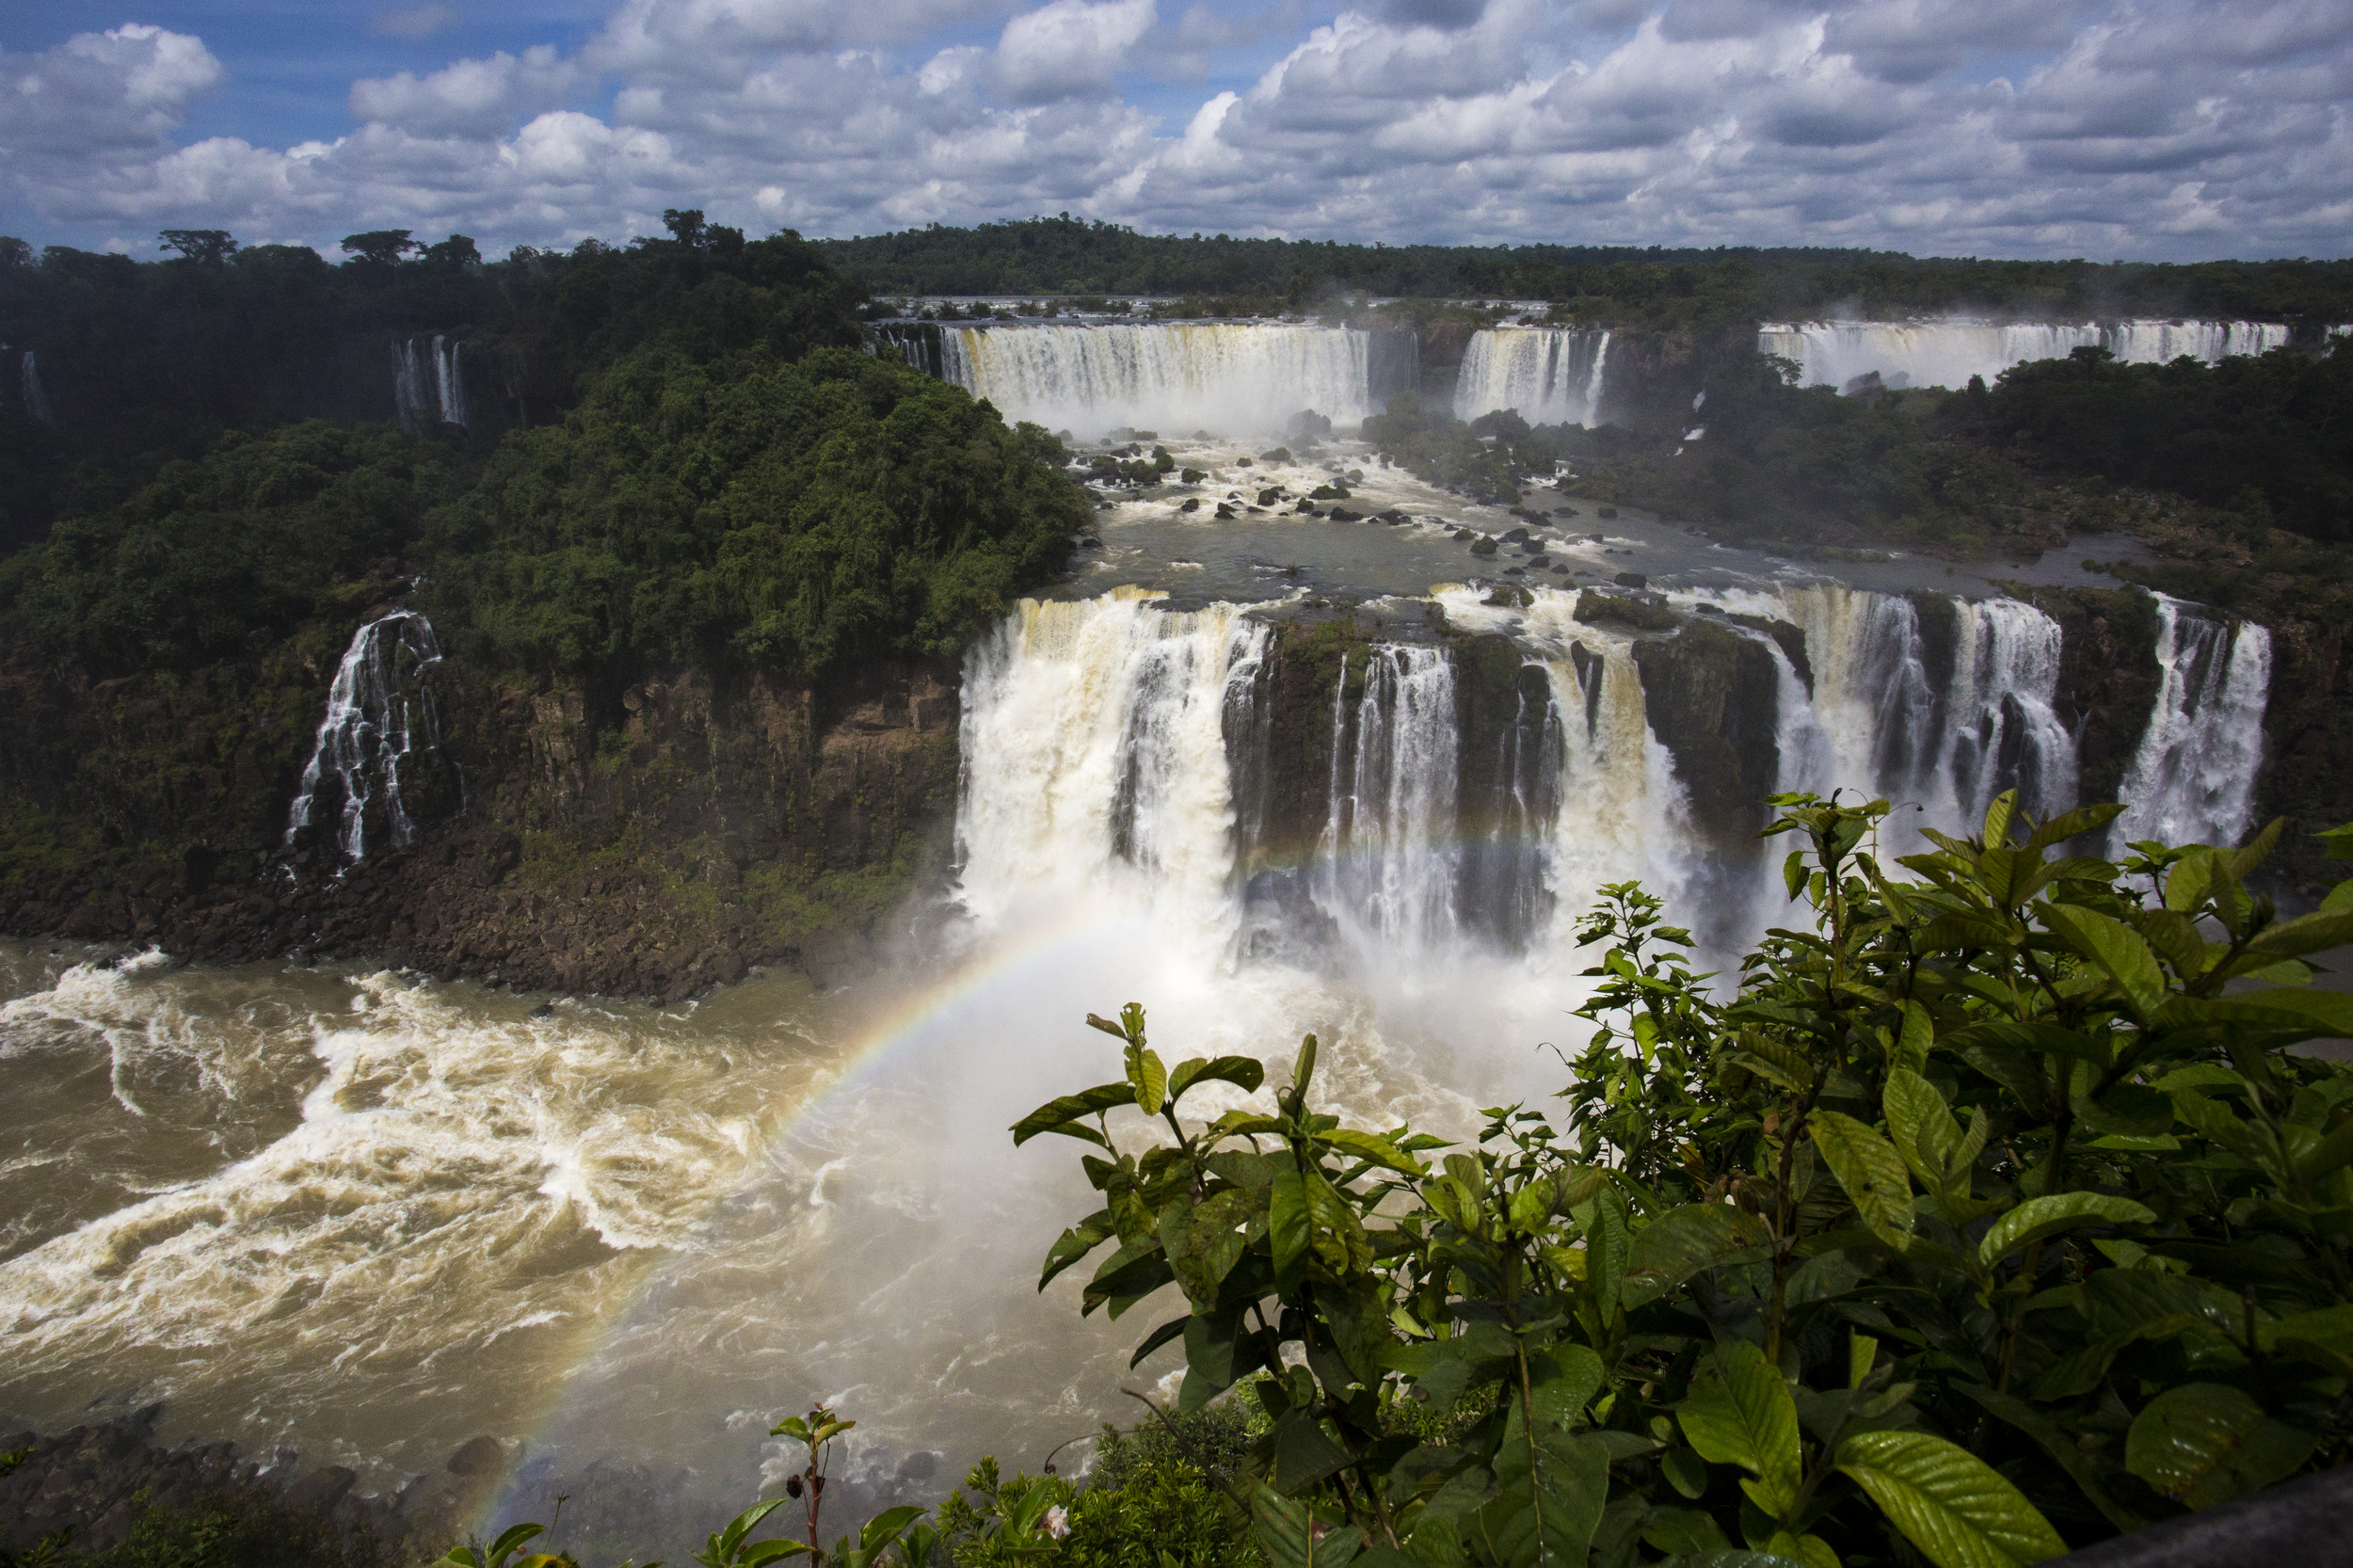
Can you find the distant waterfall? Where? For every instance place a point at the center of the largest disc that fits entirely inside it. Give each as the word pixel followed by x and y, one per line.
pixel 1389 854
pixel 380 720
pixel 1550 375
pixel 1947 353
pixel 2193 778
pixel 28 384
pixel 428 387
pixel 1231 378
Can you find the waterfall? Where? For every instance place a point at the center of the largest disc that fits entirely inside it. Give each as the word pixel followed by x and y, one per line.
pixel 429 387
pixel 28 383
pixel 1094 758
pixel 1883 719
pixel 1621 812
pixel 1550 375
pixel 1225 376
pixel 1872 695
pixel 2001 730
pixel 1387 863
pixel 1947 353
pixel 380 719
pixel 2192 779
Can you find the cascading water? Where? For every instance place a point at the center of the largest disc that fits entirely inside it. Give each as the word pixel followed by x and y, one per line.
pixel 2192 779
pixel 28 383
pixel 429 387
pixel 1388 858
pixel 1095 753
pixel 2001 731
pixel 1947 353
pixel 1550 375
pixel 1872 695
pixel 381 722
pixel 1227 377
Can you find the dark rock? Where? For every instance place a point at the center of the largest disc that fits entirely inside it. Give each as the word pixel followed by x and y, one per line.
pixel 1510 595
pixel 478 1456
pixel 1605 512
pixel 1595 608
pixel 1483 547
pixel 1516 536
pixel 1710 695
pixel 1791 639
pixel 1631 579
pixel 1192 504
pixel 1225 511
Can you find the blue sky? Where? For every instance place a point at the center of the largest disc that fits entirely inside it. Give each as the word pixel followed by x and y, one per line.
pixel 2102 128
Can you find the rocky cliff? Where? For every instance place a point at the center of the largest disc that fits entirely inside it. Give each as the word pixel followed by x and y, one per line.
pixel 650 836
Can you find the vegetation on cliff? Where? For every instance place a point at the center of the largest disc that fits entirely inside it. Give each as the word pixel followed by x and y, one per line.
pixel 752 508
pixel 1618 284
pixel 1992 1211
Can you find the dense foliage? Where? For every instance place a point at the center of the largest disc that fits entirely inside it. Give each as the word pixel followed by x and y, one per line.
pixel 792 514
pixel 235 1528
pixel 2280 425
pixel 143 364
pixel 1618 283
pixel 263 533
pixel 1992 1211
pixel 733 483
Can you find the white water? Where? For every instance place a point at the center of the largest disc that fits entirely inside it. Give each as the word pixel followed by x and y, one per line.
pixel 1550 375
pixel 2192 780
pixel 1947 353
pixel 2000 731
pixel 1232 378
pixel 28 383
pixel 379 714
pixel 429 387
pixel 1390 853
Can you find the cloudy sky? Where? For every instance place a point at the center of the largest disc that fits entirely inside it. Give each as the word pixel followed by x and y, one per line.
pixel 2149 129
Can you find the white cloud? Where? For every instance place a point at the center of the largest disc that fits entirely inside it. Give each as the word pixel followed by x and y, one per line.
pixel 1069 48
pixel 2115 127
pixel 475 98
pixel 414 21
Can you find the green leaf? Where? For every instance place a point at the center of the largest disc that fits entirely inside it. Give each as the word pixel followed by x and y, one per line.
pixel 1922 1127
pixel 1869 1167
pixel 1286 1530
pixel 1304 1454
pixel 1553 1493
pixel 1918 1037
pixel 1289 1232
pixel 1149 1081
pixel 2116 948
pixel 1952 1505
pixel 2127 1110
pixel 1606 1248
pixel 2039 1218
pixel 1740 1411
pixel 2054 1441
pixel 1682 1241
pixel 1204 1242
pixel 1062 1115
pixel 1239 1070
pixel 2202 1443
pixel 1379 1150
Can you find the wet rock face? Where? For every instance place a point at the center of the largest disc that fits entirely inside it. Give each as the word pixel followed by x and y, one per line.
pixel 98 1481
pixel 651 839
pixel 1710 697
pixel 2109 676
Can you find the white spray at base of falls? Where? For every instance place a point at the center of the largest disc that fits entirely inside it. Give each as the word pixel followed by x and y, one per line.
pixel 428 389
pixel 1550 375
pixel 1947 353
pixel 2192 779
pixel 379 714
pixel 1227 377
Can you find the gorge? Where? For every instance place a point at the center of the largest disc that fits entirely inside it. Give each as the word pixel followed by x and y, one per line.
pixel 613 1057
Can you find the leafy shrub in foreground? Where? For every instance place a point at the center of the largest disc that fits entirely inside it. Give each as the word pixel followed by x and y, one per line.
pixel 1978 1220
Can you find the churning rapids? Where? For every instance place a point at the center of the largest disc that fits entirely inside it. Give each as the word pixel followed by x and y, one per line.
pixel 368 1215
